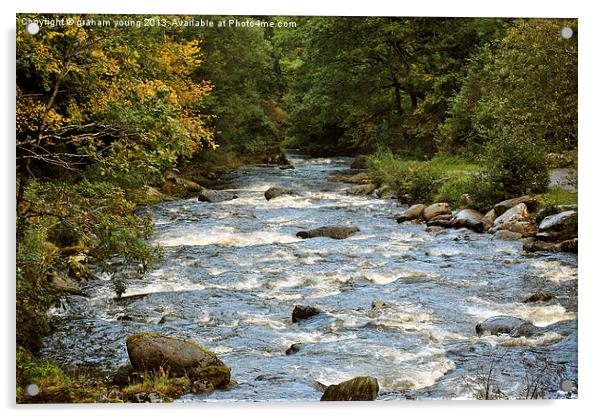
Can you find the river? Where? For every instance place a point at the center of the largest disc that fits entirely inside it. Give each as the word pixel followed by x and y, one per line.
pixel 233 271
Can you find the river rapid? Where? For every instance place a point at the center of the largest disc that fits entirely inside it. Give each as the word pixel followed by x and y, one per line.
pixel 233 272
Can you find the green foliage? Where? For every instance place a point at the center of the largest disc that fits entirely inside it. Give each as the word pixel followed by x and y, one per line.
pixel 35 258
pixel 555 196
pixel 243 68
pixel 515 163
pixel 357 83
pixel 527 79
pixel 415 181
pixel 452 189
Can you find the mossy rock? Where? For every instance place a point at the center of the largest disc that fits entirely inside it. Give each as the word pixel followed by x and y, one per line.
pixel 362 388
pixel 154 352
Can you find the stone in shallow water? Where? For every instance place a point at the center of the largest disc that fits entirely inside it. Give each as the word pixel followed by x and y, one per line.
pixel 303 312
pixel 335 232
pixel 504 324
pixel 274 192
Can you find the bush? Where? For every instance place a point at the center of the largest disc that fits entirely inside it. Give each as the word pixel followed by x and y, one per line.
pixel 414 181
pixel 452 190
pixel 514 165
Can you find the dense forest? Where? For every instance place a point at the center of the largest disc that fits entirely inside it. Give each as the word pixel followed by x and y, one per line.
pixel 111 119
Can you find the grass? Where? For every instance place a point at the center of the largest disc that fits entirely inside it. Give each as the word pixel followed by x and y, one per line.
pixel 555 196
pixel 56 385
pixel 168 388
pixel 441 179
pixel 451 164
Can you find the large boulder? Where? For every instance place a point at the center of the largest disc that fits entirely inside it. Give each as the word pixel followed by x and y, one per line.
pixel 436 209
pixel 301 312
pixel 504 324
pixel 274 192
pixel 489 217
pixel 214 196
pixel 516 219
pixel 335 232
pixel 528 201
pixel 362 388
pixel 155 352
pixel 471 219
pixel 362 189
pixel 560 225
pixel 413 212
pixel 178 186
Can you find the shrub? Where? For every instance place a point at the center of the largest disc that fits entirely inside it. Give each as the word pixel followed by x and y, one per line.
pixel 514 165
pixel 452 189
pixel 415 181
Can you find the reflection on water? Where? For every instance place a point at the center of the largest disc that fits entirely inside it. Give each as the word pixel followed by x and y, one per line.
pixel 233 272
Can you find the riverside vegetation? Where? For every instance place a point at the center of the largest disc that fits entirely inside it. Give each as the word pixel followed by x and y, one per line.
pixel 455 115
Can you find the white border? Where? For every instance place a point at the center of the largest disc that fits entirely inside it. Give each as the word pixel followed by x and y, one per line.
pixel 589 186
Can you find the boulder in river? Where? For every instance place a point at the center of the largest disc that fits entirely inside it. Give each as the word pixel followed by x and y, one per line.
pixel 361 189
pixel 471 219
pixel 214 196
pixel 516 219
pixel 436 209
pixel 178 186
pixel 413 212
pixel 301 312
pixel 505 235
pixel 274 192
pixel 568 246
pixel 560 225
pixel 504 324
pixel 293 349
pixel 502 207
pixel 362 388
pixel 536 245
pixel 489 217
pixel 335 232
pixel 539 297
pixel 154 352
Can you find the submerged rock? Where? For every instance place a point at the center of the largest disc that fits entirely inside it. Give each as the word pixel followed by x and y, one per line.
pixel 214 196
pixel 335 232
pixel 434 229
pixel 154 352
pixel 504 324
pixel 301 312
pixel 293 349
pixel 506 235
pixel 539 297
pixel 362 388
pixel 274 192
pixel 413 212
pixel 436 209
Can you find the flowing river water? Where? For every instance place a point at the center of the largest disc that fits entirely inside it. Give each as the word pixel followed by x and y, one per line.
pixel 233 271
